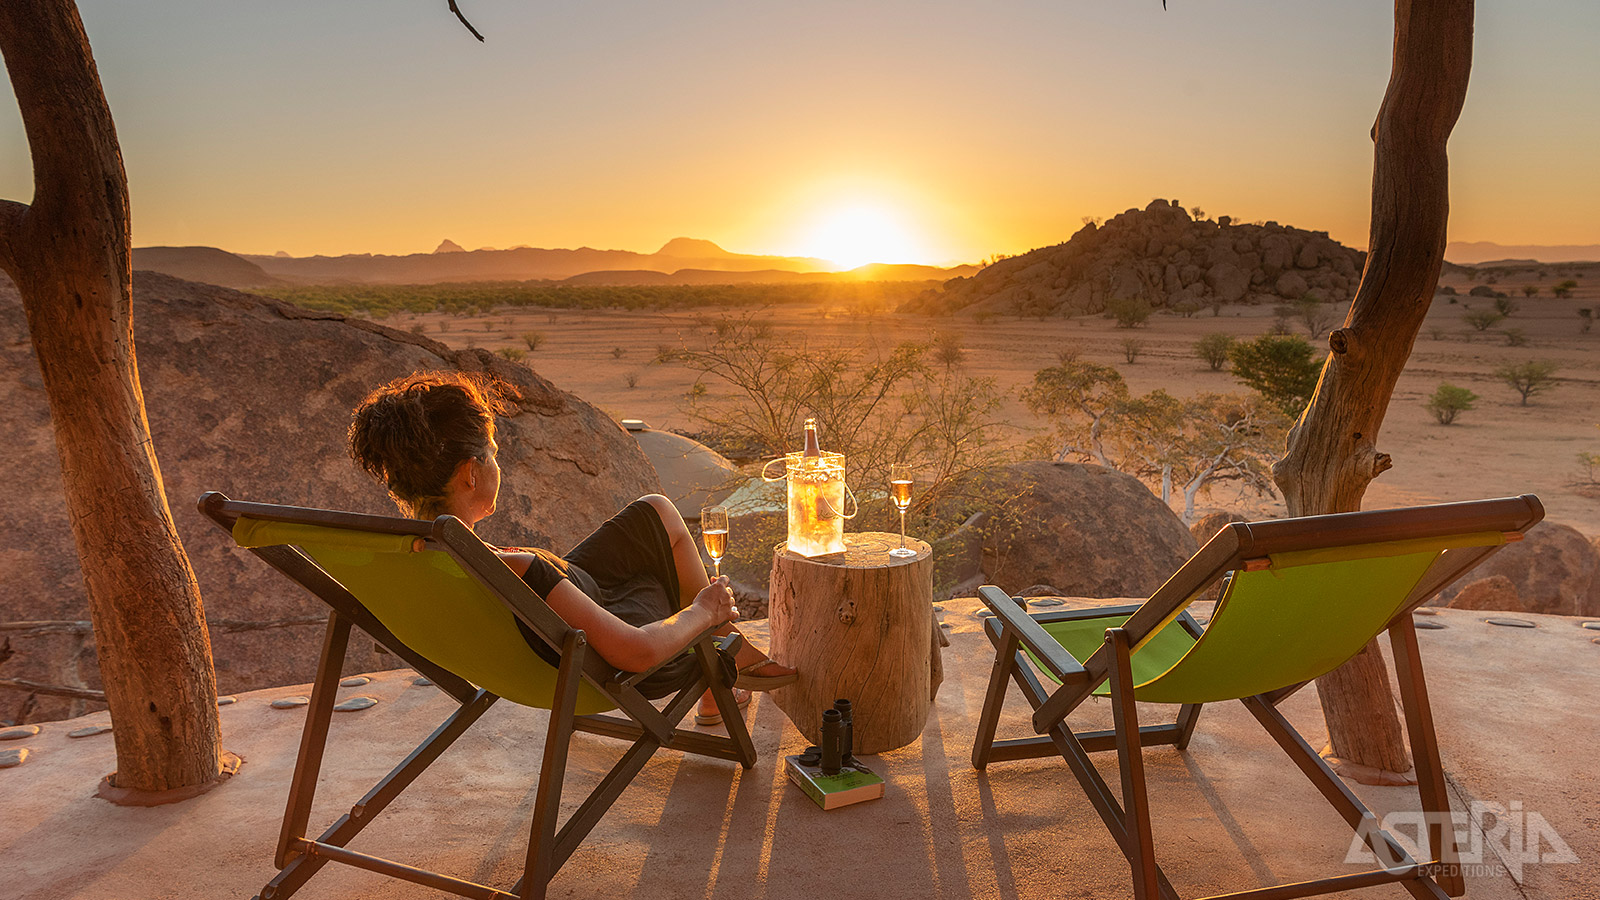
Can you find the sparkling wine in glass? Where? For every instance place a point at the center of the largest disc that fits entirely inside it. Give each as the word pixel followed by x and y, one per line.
pixel 900 493
pixel 714 531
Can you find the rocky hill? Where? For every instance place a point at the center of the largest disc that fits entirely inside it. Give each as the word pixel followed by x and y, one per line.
pixel 1164 256
pixel 207 264
pixel 252 397
pixel 521 263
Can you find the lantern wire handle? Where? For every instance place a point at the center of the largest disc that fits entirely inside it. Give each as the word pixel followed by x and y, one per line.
pixel 851 498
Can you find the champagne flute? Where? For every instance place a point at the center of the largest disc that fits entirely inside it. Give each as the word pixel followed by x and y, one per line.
pixel 714 531
pixel 900 493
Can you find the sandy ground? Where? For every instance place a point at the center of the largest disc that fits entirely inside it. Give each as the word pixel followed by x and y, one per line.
pixel 1499 448
pixel 1230 813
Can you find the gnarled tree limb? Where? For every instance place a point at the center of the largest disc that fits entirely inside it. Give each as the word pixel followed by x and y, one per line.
pixel 13 217
pixel 71 261
pixel 1332 454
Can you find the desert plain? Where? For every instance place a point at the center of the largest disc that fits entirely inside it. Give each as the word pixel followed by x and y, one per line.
pixel 1500 447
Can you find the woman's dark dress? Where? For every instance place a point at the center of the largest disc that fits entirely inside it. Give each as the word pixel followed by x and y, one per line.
pixel 626 565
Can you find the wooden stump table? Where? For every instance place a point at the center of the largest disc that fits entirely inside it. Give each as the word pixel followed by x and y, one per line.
pixel 858 625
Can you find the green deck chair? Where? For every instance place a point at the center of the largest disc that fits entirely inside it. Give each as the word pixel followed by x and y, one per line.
pixel 1302 597
pixel 447 606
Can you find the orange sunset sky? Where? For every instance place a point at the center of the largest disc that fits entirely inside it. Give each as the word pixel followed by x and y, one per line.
pixel 920 131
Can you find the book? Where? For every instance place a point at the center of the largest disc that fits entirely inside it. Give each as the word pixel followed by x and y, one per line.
pixel 853 784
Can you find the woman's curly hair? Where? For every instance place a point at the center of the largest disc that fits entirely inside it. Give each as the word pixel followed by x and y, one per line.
pixel 413 432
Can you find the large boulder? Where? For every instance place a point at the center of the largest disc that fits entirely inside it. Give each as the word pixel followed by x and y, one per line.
pixel 252 397
pixel 1207 526
pixel 1495 593
pixel 692 475
pixel 1085 530
pixel 1554 570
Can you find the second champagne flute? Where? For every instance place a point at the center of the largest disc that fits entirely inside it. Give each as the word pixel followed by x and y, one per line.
pixel 714 531
pixel 900 494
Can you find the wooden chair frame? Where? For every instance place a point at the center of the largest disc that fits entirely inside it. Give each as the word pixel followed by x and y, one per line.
pixel 1243 546
pixel 299 856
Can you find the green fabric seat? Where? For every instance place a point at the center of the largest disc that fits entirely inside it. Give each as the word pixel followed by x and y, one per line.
pixel 1082 637
pixel 1273 627
pixel 429 603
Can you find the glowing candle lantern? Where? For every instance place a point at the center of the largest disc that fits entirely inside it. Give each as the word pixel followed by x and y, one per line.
pixel 816 497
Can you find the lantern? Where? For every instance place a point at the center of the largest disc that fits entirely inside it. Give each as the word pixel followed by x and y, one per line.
pixel 816 497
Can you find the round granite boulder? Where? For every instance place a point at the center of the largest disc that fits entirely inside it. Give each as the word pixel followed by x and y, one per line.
pixel 1553 570
pixel 1085 530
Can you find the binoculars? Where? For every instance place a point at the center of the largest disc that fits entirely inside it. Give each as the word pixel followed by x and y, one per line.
pixel 838 741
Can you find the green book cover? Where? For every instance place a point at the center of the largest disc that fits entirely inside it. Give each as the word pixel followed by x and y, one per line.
pixel 851 785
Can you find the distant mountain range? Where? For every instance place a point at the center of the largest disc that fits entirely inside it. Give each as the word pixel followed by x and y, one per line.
pixel 1471 253
pixel 207 265
pixel 679 261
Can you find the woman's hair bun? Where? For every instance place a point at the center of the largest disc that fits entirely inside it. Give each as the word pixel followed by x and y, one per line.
pixel 413 432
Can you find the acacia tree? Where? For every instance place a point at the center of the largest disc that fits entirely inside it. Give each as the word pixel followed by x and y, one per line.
pixel 69 253
pixel 1332 452
pixel 1077 397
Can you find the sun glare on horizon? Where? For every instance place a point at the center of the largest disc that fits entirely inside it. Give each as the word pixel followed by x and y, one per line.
pixel 856 235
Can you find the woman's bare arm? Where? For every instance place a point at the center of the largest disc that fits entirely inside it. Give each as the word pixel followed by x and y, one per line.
pixel 628 647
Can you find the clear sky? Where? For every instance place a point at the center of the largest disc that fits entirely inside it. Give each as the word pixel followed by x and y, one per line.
pixel 931 130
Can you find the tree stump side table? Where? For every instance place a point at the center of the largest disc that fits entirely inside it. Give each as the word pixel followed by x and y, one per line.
pixel 858 625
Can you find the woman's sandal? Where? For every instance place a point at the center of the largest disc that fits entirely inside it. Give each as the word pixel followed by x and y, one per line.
pixel 715 718
pixel 752 682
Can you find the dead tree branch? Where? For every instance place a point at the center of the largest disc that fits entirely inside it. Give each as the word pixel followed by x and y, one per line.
pixel 54 690
pixel 457 10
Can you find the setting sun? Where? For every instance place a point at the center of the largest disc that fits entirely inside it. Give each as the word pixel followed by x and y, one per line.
pixel 856 235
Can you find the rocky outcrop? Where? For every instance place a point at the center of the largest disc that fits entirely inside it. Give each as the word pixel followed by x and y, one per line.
pixel 1083 530
pixel 1493 593
pixel 1554 570
pixel 251 397
pixel 1206 527
pixel 1162 255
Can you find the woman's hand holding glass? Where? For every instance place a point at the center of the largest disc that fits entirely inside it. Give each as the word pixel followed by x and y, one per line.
pixel 716 599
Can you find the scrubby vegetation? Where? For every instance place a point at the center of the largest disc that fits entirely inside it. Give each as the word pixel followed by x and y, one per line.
pixel 481 297
pixel 1529 378
pixel 1282 369
pixel 1449 401
pixel 1213 348
pixel 1180 445
pixel 912 402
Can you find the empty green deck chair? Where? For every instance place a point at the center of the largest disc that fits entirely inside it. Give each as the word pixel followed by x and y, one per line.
pixel 448 606
pixel 1302 597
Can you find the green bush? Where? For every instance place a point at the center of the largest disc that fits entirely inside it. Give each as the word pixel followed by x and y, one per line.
pixel 1279 367
pixel 1131 348
pixel 1506 306
pixel 1564 289
pixel 1529 378
pixel 1448 401
pixel 1213 348
pixel 1483 319
pixel 1130 312
pixel 512 353
pixel 533 339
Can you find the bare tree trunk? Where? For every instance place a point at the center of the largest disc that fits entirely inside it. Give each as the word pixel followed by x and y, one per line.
pixel 69 254
pixel 1332 451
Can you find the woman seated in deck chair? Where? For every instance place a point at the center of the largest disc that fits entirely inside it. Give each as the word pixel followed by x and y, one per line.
pixel 635 586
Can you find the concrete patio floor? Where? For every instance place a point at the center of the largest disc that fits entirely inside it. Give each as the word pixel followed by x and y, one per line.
pixel 1515 709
